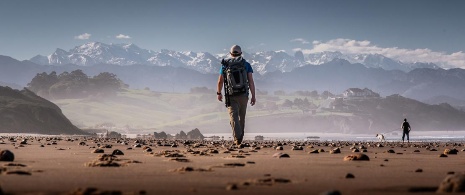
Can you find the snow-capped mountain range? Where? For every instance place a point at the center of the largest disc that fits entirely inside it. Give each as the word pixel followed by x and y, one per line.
pixel 263 62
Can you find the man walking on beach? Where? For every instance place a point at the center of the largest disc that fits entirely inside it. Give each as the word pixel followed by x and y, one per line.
pixel 236 76
pixel 406 130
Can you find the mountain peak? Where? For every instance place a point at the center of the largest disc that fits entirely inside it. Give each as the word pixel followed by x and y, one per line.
pixel 92 53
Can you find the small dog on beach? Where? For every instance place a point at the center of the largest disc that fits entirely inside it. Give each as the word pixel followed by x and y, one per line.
pixel 380 137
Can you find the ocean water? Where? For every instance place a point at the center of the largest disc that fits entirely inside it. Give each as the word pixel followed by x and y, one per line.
pixel 419 136
pixel 415 136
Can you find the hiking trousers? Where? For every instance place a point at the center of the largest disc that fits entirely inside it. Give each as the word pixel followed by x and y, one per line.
pixel 405 133
pixel 237 111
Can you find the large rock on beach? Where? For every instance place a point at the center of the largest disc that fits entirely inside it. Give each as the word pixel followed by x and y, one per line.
pixel 451 151
pixel 357 157
pixel 6 155
pixel 452 183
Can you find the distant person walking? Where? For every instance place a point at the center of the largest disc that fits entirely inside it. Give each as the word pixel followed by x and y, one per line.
pixel 406 130
pixel 236 77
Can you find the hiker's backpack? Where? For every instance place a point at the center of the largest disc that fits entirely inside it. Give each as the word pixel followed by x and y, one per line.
pixel 235 76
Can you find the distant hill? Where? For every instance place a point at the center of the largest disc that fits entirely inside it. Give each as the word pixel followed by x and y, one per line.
pixel 24 112
pixel 334 76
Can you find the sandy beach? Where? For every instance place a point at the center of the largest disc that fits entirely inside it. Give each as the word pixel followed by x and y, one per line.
pixel 69 166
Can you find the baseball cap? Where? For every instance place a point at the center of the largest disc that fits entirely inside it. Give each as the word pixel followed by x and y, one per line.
pixel 235 49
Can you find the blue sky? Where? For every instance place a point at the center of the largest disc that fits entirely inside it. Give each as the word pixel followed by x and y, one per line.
pixel 393 28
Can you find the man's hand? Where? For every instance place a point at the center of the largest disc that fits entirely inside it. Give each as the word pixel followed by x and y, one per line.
pixel 220 98
pixel 252 101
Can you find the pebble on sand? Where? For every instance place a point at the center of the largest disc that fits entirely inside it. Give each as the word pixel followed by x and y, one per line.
pixel 357 157
pixel 98 150
pixel 232 187
pixel 332 192
pixel 349 176
pixel 452 183
pixel 281 155
pixel 451 151
pixel 6 155
pixel 314 152
pixel 442 155
pixel 335 151
pixel 117 152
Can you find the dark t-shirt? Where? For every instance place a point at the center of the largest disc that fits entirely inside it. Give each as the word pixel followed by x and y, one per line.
pixel 405 126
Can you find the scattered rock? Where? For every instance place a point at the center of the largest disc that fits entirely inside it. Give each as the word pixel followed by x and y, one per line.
pixel 270 181
pixel 297 148
pixel 279 148
pixel 180 159
pixel 281 155
pixel 451 151
pixel 117 152
pixel 18 172
pixel 389 151
pixel 14 165
pixel 442 155
pixel 357 157
pixel 234 164
pixel 6 155
pixel 190 169
pixel 314 152
pixel 98 150
pixel 331 192
pixel 452 183
pixel 232 187
pixel 349 176
pixel 335 151
pixel 419 170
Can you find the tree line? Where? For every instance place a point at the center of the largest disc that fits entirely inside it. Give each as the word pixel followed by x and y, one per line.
pixel 75 84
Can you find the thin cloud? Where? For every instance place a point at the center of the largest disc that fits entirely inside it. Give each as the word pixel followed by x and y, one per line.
pixel 300 40
pixel 121 36
pixel 84 36
pixel 348 46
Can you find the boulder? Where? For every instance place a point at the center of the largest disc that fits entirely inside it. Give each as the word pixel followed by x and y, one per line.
pixel 6 155
pixel 452 183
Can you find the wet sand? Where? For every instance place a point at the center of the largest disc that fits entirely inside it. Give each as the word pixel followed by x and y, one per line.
pixel 63 166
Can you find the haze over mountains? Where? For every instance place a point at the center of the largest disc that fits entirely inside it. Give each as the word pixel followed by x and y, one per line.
pixel 175 71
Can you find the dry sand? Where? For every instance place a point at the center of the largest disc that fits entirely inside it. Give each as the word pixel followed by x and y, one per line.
pixel 66 166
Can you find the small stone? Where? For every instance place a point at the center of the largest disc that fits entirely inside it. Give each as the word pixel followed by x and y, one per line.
pixel 350 176
pixel 117 152
pixel 390 151
pixel 357 157
pixel 450 173
pixel 6 155
pixel 442 155
pixel 297 148
pixel 232 187
pixel 281 155
pixel 314 152
pixel 335 151
pixel 331 192
pixel 279 148
pixel 419 170
pixel 450 151
pixel 98 150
